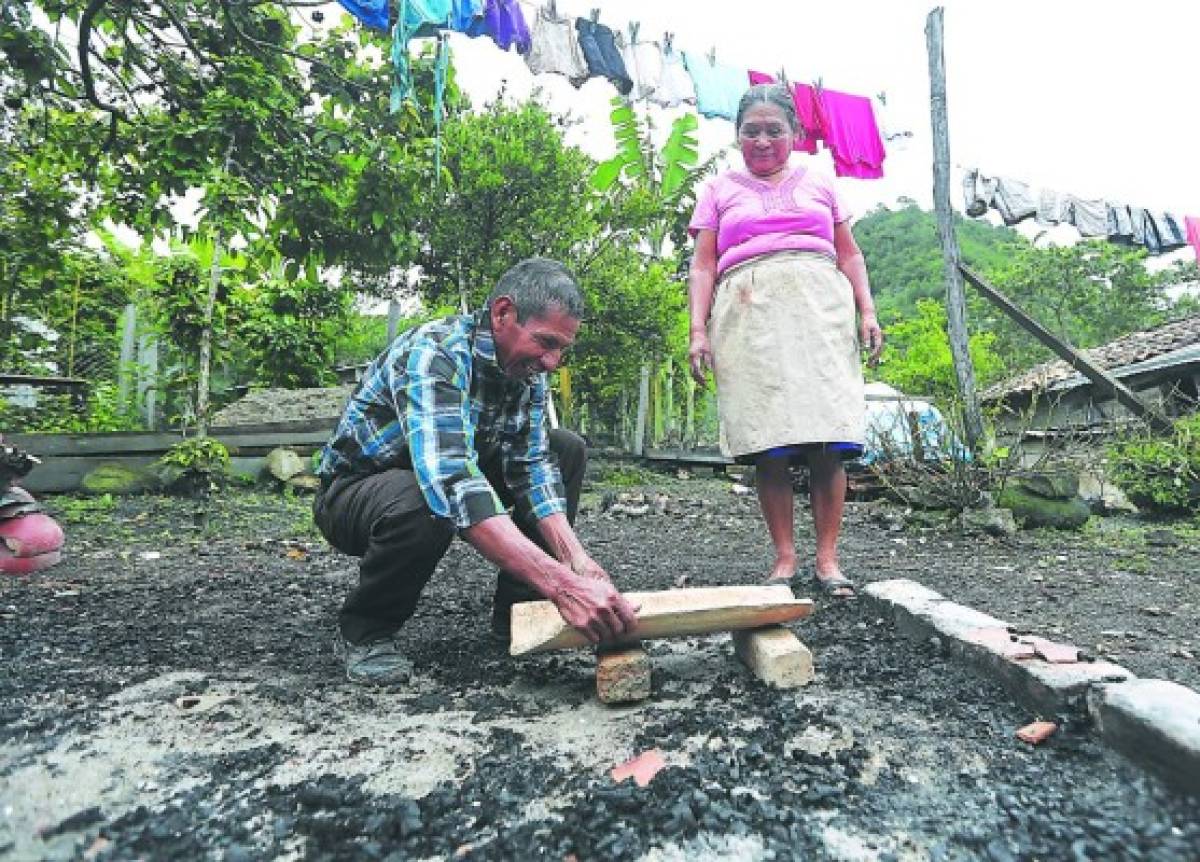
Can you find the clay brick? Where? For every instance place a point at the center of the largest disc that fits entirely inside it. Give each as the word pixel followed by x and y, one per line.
pixel 1037 732
pixel 774 655
pixel 623 676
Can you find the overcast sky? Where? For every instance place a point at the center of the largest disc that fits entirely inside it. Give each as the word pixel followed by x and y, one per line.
pixel 1097 99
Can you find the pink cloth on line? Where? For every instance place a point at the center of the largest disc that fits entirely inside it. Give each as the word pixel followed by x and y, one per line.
pixel 1192 226
pixel 852 134
pixel 753 217
pixel 808 112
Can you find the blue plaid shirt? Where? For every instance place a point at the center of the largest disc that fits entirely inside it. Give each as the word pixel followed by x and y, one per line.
pixel 437 403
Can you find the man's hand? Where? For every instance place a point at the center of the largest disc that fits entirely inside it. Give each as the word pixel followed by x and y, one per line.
pixel 592 605
pixel 584 566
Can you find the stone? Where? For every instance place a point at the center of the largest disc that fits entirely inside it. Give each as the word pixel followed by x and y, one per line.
pixel 1032 510
pixel 1155 723
pixel 623 676
pixel 284 463
pixel 993 521
pixel 775 655
pixel 305 482
pixel 1050 484
pixel 113 478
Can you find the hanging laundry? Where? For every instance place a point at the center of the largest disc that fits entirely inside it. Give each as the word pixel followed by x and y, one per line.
pixel 373 13
pixel 554 46
pixel 602 54
pixel 643 62
pixel 1120 225
pixel 719 88
pixel 1014 200
pixel 978 193
pixel 852 134
pixel 414 18
pixel 674 85
pixel 504 21
pixel 808 113
pixel 1089 217
pixel 466 14
pixel 1168 230
pixel 1049 207
pixel 1192 226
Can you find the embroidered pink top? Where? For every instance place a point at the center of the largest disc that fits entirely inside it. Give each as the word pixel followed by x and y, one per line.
pixel 753 217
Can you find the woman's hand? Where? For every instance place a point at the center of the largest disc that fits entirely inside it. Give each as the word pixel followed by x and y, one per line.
pixel 871 334
pixel 700 355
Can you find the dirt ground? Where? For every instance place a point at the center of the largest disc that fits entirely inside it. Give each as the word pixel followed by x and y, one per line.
pixel 169 692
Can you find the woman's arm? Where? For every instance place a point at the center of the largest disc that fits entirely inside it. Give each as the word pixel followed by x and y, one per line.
pixel 852 265
pixel 702 279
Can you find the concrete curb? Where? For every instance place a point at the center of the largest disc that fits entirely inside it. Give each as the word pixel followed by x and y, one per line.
pixel 1155 723
pixel 989 645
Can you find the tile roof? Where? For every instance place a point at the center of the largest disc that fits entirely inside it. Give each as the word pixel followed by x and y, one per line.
pixel 1126 350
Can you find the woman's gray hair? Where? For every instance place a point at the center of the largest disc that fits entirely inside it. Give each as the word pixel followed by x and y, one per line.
pixel 779 95
pixel 536 284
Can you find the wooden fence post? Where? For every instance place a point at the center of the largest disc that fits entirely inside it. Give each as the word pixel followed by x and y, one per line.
pixel 125 363
pixel 639 427
pixel 956 304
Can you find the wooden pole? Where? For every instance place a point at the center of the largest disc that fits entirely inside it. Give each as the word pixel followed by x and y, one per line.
pixel 1097 375
pixel 639 427
pixel 393 320
pixel 125 362
pixel 206 334
pixel 956 305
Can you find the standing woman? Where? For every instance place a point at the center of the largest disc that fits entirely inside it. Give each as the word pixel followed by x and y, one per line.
pixel 775 281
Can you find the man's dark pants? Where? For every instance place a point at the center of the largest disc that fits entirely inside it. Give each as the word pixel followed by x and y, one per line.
pixel 383 518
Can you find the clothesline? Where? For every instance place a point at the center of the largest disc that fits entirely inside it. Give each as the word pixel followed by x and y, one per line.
pixel 581 48
pixel 1158 231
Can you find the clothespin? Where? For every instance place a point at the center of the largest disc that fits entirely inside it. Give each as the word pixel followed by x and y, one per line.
pixel 553 7
pixel 595 15
pixel 882 97
pixel 634 26
pixel 668 38
pixel 783 78
pixel 712 56
pixel 819 84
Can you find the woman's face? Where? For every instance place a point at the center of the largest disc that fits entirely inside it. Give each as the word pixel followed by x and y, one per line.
pixel 766 139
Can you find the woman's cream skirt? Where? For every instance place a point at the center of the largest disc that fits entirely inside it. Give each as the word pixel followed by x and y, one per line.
pixel 785 354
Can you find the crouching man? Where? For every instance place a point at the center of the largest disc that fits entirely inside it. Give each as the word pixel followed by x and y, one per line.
pixel 446 433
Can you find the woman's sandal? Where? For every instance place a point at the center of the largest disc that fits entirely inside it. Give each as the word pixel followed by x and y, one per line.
pixel 836 586
pixel 806 576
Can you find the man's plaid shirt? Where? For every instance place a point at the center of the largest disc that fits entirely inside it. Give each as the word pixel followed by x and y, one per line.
pixel 437 403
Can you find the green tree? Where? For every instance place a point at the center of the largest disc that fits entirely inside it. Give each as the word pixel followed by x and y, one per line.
pixel 917 359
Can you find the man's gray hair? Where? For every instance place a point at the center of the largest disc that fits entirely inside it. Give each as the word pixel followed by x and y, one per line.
pixel 537 284
pixel 779 95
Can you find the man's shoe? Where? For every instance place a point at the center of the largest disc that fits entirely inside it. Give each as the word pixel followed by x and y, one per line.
pixel 377 663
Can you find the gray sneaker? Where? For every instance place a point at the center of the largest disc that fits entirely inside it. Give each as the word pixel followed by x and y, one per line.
pixel 377 663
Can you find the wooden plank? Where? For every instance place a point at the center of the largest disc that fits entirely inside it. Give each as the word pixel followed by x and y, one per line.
pixel 538 627
pixel 61 475
pixel 681 456
pixel 1101 379
pixel 264 435
pixel 41 381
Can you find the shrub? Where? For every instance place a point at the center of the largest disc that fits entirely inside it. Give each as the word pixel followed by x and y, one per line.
pixel 1160 474
pixel 195 466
